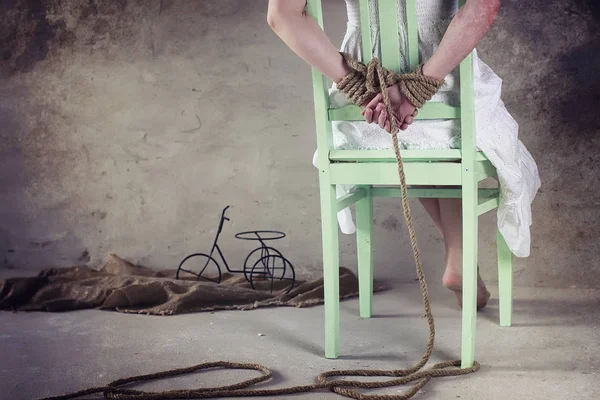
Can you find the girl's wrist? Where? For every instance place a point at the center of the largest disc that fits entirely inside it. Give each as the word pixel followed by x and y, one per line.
pixel 343 70
pixel 433 72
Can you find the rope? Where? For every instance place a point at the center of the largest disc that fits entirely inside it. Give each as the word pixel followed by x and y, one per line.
pixel 365 81
pixel 361 83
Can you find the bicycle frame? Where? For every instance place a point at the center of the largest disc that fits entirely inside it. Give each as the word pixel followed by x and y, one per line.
pixel 216 244
pixel 266 253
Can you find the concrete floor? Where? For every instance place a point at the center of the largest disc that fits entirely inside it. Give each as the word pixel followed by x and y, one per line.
pixel 551 352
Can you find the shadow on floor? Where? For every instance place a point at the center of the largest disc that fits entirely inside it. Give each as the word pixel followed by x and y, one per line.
pixel 548 312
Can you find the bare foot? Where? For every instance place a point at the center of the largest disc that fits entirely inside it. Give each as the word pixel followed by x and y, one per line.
pixel 453 280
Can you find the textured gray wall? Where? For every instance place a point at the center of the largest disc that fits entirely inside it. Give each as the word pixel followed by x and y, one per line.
pixel 125 126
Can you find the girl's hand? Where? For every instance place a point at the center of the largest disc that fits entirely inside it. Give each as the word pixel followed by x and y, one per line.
pixel 404 110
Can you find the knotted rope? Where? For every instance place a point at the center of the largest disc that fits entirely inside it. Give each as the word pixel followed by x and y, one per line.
pixel 363 83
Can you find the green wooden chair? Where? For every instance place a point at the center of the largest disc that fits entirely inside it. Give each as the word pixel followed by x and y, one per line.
pixel 375 174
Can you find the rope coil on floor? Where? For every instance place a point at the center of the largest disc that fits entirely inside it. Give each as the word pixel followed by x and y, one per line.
pixel 360 85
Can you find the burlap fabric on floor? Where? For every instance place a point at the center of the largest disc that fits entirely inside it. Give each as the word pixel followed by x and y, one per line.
pixel 124 287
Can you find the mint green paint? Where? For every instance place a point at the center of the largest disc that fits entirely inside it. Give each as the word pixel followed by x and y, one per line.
pixel 463 168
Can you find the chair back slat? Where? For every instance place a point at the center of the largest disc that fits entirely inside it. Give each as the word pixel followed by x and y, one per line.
pixel 413 34
pixel 365 23
pixel 390 48
pixel 388 34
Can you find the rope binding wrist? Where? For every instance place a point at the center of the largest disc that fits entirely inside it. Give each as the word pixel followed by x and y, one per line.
pixel 365 81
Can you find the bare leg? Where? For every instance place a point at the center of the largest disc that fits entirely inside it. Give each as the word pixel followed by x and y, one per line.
pixel 432 206
pixel 451 218
pixel 447 218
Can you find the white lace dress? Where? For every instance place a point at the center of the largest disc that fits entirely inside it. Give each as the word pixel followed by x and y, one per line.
pixel 497 131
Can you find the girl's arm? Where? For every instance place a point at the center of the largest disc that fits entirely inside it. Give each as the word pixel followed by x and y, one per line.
pixel 302 34
pixel 471 23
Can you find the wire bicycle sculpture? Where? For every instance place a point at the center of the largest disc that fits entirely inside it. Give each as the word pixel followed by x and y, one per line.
pixel 264 263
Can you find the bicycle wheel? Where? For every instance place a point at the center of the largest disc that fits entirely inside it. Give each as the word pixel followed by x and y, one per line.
pixel 255 255
pixel 270 272
pixel 200 265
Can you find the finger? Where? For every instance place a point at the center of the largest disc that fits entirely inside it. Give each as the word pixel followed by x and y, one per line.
pixel 369 115
pixel 377 114
pixel 388 127
pixel 374 101
pixel 382 119
pixel 408 120
pixel 415 113
pixel 404 127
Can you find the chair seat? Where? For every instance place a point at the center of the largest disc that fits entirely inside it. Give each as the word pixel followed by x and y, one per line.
pixel 369 168
pixel 487 199
pixel 388 155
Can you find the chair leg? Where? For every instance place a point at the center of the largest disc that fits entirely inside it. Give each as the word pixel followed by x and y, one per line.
pixel 364 250
pixel 505 280
pixel 469 290
pixel 331 269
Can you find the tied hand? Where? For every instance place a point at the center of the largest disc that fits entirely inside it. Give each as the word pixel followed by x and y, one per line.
pixel 404 111
pixel 400 94
pixel 387 95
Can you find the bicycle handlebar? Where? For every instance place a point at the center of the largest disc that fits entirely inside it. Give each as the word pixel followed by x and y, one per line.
pixel 223 218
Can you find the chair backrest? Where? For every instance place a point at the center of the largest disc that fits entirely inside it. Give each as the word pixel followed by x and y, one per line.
pixel 390 58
